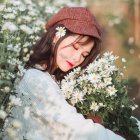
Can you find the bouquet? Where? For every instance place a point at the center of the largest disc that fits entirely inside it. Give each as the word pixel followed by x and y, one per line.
pixel 100 91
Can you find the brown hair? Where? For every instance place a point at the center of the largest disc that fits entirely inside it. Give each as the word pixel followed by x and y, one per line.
pixel 44 52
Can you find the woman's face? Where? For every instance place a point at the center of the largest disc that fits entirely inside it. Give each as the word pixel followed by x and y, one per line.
pixel 72 53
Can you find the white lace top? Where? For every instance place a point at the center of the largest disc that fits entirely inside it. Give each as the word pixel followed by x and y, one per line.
pixel 45 115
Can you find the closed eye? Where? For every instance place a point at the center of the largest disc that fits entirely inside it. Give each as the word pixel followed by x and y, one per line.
pixel 74 47
pixel 84 55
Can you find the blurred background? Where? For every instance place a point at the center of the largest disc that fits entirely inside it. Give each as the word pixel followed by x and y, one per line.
pixel 120 21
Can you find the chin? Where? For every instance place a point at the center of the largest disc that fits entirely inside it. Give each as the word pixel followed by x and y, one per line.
pixel 64 69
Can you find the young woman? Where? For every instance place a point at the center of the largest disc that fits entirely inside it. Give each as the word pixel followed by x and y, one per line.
pixel 72 39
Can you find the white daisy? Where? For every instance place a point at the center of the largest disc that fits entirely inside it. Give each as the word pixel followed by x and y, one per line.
pixel 9 26
pixel 108 81
pixel 61 31
pixel 26 29
pixel 123 60
pixel 94 78
pixel 7 89
pixel 78 96
pixel 111 90
pixel 3 114
pixel 94 106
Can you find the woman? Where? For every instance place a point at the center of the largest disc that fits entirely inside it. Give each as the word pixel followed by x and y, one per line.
pixel 72 39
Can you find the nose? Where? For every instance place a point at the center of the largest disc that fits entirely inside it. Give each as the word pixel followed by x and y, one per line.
pixel 76 57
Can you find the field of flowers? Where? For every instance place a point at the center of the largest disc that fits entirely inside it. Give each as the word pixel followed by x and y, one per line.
pixel 21 24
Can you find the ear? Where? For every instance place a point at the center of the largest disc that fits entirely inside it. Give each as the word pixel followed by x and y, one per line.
pixel 55 39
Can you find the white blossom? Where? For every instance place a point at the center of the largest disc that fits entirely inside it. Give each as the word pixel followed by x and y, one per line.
pixel 94 78
pixel 132 51
pixel 2 7
pixel 25 50
pixel 7 89
pixel 112 57
pixel 101 105
pixel 11 74
pixel 50 9
pixel 94 106
pixel 27 44
pixel 27 18
pixel 78 96
pixel 131 40
pixel 121 74
pixel 67 86
pixel 90 68
pixel 111 90
pixel 15 48
pixel 107 54
pixel 73 101
pixel 67 95
pixel 61 31
pixel 102 61
pixel 26 29
pixel 9 26
pixel 3 114
pixel 39 23
pixel 9 16
pixel 82 78
pixel 123 60
pixel 117 20
pixel 8 9
pixel 99 85
pixel 111 69
pixel 108 81
pixel 16 2
pixel 14 61
pixel 15 101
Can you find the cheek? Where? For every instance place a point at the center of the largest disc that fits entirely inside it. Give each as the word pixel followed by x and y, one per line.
pixel 65 52
pixel 81 61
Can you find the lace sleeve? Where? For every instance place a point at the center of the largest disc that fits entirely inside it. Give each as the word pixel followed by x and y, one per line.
pixel 48 116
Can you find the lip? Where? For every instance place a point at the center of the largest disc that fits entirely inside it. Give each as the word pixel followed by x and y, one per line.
pixel 70 64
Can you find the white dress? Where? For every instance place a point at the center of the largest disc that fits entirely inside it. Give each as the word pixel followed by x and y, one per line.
pixel 45 115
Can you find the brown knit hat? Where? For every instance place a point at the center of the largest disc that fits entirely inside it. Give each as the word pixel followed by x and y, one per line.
pixel 78 20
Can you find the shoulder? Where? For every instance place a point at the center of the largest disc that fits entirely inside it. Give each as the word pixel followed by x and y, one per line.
pixel 34 79
pixel 35 76
pixel 35 73
pixel 38 79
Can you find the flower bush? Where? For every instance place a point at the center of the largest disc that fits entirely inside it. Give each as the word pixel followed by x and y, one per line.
pixel 99 90
pixel 21 24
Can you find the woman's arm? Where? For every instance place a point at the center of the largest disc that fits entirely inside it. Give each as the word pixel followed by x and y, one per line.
pixel 51 109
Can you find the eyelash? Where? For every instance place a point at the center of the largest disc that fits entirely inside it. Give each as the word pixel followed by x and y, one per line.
pixel 84 56
pixel 74 47
pixel 77 49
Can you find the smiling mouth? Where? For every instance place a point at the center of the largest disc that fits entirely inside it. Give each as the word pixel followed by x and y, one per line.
pixel 70 64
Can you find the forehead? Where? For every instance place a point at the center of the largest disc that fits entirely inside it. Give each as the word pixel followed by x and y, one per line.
pixel 83 39
pixel 84 42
